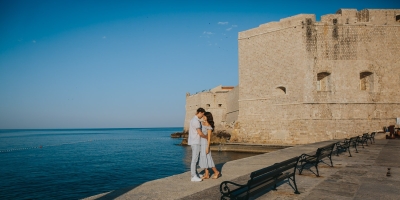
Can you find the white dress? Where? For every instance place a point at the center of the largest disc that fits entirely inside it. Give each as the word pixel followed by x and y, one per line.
pixel 206 160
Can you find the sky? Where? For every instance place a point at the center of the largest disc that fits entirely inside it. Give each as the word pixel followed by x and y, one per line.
pixel 126 64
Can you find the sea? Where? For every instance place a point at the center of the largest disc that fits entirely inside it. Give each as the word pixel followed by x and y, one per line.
pixel 79 163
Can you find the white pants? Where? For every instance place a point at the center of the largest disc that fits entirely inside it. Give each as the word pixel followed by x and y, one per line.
pixel 195 158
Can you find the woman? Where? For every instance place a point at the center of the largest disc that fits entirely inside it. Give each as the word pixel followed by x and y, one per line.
pixel 206 160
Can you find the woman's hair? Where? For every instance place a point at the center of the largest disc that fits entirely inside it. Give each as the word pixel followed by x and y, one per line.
pixel 210 119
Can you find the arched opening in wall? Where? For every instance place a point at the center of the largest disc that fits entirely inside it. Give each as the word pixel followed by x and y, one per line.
pixel 397 18
pixel 280 90
pixel 366 81
pixel 323 81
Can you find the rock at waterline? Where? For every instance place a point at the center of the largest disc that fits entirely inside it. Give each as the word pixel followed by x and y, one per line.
pixel 184 142
pixel 216 138
pixel 176 135
pixel 179 135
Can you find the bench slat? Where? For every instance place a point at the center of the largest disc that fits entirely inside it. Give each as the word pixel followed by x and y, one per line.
pixel 269 183
pixel 262 179
pixel 322 152
pixel 239 192
pixel 273 167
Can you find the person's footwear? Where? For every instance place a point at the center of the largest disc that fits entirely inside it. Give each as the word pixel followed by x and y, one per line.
pixel 215 176
pixel 196 179
pixel 205 177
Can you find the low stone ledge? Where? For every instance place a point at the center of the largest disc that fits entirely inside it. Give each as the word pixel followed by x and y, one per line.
pixel 247 148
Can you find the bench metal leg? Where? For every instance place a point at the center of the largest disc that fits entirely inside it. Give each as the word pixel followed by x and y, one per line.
pixel 355 146
pixel 316 167
pixel 362 144
pixel 337 150
pixel 301 169
pixel 294 183
pixel 274 188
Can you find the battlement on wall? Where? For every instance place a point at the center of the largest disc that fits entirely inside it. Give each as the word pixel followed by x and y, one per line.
pixel 341 17
pixel 284 23
pixel 289 21
pixel 366 16
pixel 218 89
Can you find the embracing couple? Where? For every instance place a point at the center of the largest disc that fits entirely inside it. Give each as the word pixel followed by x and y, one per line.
pixel 200 130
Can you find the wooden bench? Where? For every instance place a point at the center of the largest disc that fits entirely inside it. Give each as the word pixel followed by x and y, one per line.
pixel 370 137
pixel 321 153
pixel 261 180
pixel 346 144
pixel 363 139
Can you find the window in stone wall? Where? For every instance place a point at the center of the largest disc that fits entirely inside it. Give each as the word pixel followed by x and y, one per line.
pixel 366 81
pixel 280 90
pixel 219 105
pixel 323 81
pixel 208 105
pixel 397 18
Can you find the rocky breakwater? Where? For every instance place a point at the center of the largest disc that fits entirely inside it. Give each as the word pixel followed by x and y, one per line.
pixel 179 135
pixel 219 137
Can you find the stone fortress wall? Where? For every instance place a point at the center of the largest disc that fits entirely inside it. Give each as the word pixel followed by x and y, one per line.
pixel 232 109
pixel 304 81
pixel 214 101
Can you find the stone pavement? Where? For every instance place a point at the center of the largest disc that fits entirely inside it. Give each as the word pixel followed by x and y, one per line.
pixel 362 176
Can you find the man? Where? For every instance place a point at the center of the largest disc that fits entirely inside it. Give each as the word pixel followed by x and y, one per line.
pixel 194 137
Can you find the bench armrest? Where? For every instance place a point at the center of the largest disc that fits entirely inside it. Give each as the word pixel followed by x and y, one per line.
pixel 224 188
pixel 345 141
pixel 306 156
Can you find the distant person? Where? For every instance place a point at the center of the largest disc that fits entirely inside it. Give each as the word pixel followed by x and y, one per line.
pixel 206 160
pixel 194 141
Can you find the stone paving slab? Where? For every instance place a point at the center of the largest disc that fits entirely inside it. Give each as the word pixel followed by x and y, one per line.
pixel 362 176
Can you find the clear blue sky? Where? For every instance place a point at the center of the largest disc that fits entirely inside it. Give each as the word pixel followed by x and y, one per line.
pixel 121 64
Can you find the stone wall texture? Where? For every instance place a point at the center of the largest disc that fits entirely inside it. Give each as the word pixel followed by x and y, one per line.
pixel 303 81
pixel 214 101
pixel 232 109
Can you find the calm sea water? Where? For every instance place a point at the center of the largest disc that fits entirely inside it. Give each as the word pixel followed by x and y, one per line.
pixel 78 163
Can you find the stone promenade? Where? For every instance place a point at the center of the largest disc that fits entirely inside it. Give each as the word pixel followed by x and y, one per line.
pixel 362 176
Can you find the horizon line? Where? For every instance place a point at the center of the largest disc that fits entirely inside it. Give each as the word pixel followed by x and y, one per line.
pixel 83 128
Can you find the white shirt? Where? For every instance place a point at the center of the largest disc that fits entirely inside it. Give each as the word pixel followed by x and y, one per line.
pixel 194 137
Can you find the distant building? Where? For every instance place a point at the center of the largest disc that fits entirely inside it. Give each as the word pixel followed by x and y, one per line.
pixel 303 81
pixel 218 101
